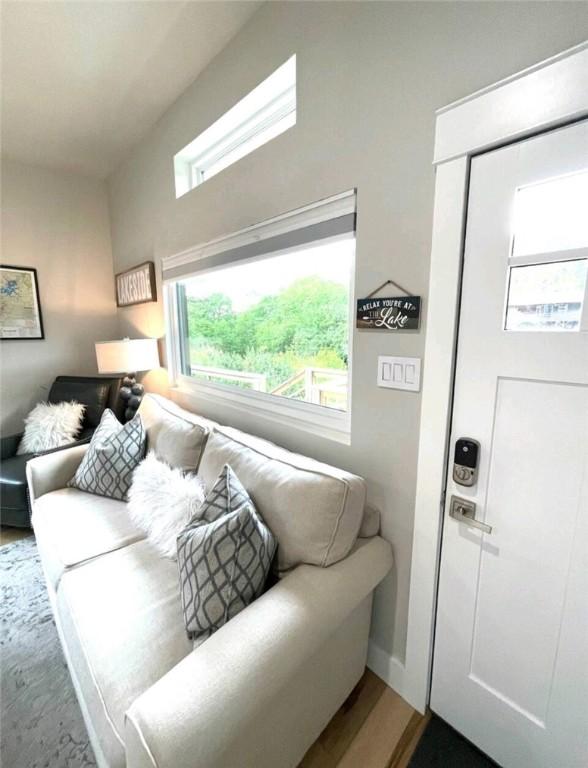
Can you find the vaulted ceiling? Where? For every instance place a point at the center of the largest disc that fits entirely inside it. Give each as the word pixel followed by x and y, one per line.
pixel 84 81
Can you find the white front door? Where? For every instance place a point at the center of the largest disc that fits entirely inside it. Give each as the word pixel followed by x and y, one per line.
pixel 510 668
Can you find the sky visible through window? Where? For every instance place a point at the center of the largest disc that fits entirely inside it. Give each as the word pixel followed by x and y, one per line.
pixel 246 284
pixel 552 215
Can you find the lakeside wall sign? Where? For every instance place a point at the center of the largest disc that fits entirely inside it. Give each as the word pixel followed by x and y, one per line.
pixel 394 313
pixel 136 285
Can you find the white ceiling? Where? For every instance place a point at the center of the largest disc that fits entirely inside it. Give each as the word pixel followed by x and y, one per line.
pixel 84 81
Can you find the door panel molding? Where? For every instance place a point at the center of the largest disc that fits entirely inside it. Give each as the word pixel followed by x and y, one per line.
pixel 541 405
pixel 522 105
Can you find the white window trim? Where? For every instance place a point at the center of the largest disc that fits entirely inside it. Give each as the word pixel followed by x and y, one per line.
pixel 318 420
pixel 328 423
pixel 267 106
pixel 285 105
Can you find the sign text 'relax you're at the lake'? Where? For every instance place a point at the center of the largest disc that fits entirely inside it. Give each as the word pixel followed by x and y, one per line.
pixel 396 313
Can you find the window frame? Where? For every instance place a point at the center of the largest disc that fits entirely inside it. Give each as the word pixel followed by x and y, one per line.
pixel 246 131
pixel 193 162
pixel 322 421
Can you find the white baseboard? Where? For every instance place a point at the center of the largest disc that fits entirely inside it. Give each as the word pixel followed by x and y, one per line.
pixel 386 666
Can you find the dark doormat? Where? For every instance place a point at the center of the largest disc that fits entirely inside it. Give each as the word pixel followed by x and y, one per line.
pixel 443 747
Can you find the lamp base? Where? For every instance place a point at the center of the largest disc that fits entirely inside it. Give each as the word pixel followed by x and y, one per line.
pixel 131 393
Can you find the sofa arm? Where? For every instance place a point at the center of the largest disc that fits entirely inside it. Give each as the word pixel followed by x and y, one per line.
pixel 215 709
pixel 53 470
pixel 9 445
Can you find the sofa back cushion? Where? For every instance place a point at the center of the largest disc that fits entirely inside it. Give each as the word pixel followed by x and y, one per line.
pixel 314 510
pixel 175 436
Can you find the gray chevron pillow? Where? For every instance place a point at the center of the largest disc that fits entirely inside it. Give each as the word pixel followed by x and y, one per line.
pixel 224 557
pixel 113 454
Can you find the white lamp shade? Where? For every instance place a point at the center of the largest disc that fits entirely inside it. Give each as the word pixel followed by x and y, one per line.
pixel 127 355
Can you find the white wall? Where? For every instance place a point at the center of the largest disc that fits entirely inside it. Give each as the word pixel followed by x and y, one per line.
pixel 57 223
pixel 370 76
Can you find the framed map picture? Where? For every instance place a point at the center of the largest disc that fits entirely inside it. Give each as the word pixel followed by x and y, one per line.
pixel 20 308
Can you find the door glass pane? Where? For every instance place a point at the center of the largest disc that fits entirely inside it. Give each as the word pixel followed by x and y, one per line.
pixel 552 215
pixel 546 297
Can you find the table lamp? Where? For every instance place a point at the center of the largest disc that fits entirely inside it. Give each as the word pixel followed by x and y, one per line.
pixel 128 356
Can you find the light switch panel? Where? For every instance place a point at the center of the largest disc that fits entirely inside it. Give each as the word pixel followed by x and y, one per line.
pixel 399 372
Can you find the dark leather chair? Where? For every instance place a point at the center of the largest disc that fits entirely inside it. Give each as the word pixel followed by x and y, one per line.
pixel 97 394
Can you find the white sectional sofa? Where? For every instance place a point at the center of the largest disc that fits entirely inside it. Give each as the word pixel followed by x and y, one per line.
pixel 261 689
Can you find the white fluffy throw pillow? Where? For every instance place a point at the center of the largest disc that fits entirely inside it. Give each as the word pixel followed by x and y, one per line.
pixel 51 425
pixel 162 501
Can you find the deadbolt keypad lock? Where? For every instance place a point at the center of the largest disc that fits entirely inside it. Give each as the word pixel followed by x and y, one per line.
pixel 465 461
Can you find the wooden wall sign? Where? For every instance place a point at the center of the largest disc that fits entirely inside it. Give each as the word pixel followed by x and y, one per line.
pixel 136 285
pixel 394 313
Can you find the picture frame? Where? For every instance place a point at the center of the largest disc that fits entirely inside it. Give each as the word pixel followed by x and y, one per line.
pixel 136 285
pixel 21 318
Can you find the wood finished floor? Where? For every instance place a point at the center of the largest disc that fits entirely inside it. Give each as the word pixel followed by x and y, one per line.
pixel 375 728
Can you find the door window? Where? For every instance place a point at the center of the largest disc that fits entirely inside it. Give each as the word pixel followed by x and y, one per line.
pixel 548 265
pixel 546 297
pixel 551 216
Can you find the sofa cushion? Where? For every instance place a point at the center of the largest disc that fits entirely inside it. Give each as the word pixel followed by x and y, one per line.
pixel 175 436
pixel 314 510
pixel 224 557
pixel 72 526
pixel 162 501
pixel 115 451
pixel 51 425
pixel 121 619
pixel 370 525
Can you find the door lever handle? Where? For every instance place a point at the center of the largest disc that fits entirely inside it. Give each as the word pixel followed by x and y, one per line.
pixel 465 512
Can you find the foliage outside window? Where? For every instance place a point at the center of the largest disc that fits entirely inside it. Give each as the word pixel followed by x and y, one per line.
pixel 277 325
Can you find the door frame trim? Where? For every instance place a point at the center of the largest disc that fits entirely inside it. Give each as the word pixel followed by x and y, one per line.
pixel 550 94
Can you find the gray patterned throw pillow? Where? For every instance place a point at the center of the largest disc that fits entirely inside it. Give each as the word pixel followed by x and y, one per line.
pixel 224 557
pixel 113 454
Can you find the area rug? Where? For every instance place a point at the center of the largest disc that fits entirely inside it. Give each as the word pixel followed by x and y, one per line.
pixel 41 722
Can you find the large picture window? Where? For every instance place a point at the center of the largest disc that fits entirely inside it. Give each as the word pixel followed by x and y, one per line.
pixel 278 325
pixel 261 319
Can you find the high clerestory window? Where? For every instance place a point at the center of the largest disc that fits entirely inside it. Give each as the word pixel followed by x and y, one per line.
pixel 266 112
